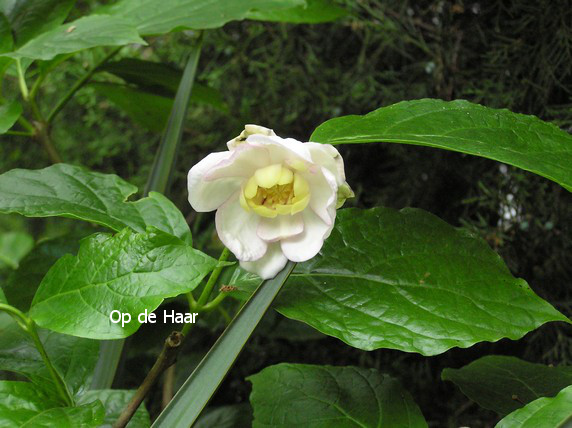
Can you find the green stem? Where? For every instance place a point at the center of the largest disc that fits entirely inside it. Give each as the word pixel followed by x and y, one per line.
pixel 213 278
pixel 22 120
pixel 213 304
pixel 29 327
pixel 22 80
pixel 79 84
pixel 20 133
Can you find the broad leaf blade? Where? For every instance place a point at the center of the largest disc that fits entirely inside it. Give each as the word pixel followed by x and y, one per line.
pixel 86 416
pixel 407 280
pixel 20 402
pixel 504 384
pixel 289 395
pixel 13 247
pixel 553 412
pixel 84 33
pixel 196 392
pixel 114 401
pixel 31 18
pixel 73 192
pixel 159 17
pixel 73 357
pixel 9 114
pixel 314 12
pixel 128 272
pixel 515 139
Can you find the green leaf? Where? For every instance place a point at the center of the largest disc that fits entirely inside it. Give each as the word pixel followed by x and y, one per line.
pixel 114 401
pixel 84 33
pixel 128 272
pixel 515 139
pixel 193 396
pixel 9 114
pixel 21 284
pixel 13 247
pixel 504 384
pixel 86 416
pixel 542 413
pixel 30 18
pixel 407 280
pixel 20 402
pixel 288 395
pixel 232 416
pixel 73 357
pixel 161 79
pixel 152 17
pixel 314 12
pixel 73 192
pixel 3 297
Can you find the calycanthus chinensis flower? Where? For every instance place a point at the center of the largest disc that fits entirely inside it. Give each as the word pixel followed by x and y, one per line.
pixel 276 198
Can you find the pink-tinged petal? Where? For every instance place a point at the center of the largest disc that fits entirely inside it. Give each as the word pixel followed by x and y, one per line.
pixel 207 195
pixel 306 245
pixel 242 162
pixel 280 227
pixel 236 228
pixel 281 149
pixel 269 265
pixel 328 156
pixel 323 193
pixel 249 129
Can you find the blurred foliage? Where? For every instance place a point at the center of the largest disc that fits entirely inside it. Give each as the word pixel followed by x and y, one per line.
pixel 510 54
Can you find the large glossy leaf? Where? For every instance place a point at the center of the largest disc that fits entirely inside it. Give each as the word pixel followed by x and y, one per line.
pixel 73 357
pixel 21 284
pixel 114 401
pixel 13 247
pixel 9 114
pixel 20 402
pixel 128 272
pixel 289 395
pixel 70 191
pixel 86 416
pixel 84 33
pixel 314 12
pixel 553 412
pixel 407 280
pixel 29 18
pixel 515 139
pixel 504 384
pixel 158 17
pixel 185 408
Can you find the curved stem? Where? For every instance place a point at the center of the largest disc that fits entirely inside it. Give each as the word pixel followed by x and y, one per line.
pixel 22 80
pixel 79 84
pixel 28 325
pixel 213 278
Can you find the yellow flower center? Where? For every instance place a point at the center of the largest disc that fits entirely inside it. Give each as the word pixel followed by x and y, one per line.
pixel 274 190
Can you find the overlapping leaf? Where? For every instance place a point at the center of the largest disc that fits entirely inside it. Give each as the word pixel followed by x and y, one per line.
pixel 515 139
pixel 114 401
pixel 84 33
pixel 9 113
pixel 553 412
pixel 20 402
pixel 71 191
pixel 504 384
pixel 13 247
pixel 289 395
pixel 86 416
pixel 73 357
pixel 158 17
pixel 128 272
pixel 407 280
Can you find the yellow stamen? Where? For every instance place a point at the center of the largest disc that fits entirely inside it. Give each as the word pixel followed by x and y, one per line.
pixel 268 176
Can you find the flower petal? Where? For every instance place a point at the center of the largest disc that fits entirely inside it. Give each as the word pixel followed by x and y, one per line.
pixel 243 161
pixel 280 227
pixel 236 228
pixel 269 265
pixel 281 149
pixel 207 195
pixel 248 130
pixel 323 193
pixel 306 245
pixel 328 156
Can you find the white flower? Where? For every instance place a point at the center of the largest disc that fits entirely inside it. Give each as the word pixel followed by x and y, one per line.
pixel 276 198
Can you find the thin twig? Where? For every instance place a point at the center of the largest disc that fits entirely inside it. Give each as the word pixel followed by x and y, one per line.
pixel 168 386
pixel 166 359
